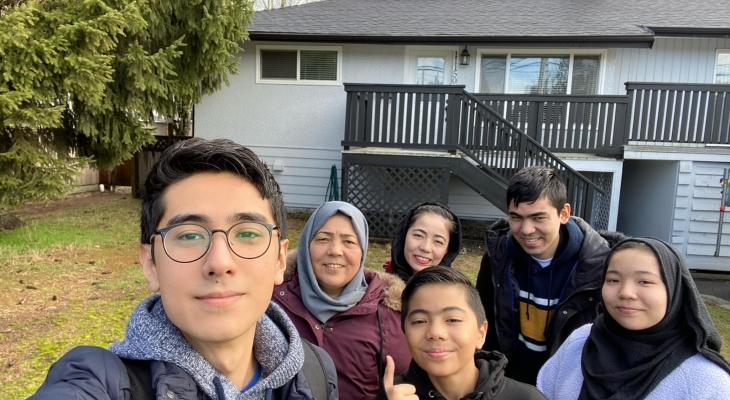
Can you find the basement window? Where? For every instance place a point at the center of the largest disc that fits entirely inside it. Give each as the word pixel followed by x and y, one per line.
pixel 306 65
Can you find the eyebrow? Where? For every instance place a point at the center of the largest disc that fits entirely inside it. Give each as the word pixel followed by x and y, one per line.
pixel 640 272
pixel 182 218
pixel 442 311
pixel 239 217
pixel 537 214
pixel 331 234
pixel 250 217
pixel 421 230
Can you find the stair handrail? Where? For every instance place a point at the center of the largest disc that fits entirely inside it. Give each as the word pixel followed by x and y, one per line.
pixel 479 123
pixel 552 157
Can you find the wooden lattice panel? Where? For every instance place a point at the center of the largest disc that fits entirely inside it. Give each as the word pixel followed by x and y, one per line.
pixel 601 203
pixel 385 193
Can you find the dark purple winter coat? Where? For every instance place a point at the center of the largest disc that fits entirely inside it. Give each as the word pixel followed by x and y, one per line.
pixel 353 337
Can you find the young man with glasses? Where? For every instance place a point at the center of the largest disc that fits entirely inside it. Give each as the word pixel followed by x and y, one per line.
pixel 213 247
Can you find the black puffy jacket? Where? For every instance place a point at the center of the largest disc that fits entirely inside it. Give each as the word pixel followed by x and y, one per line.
pixel 94 373
pixel 498 291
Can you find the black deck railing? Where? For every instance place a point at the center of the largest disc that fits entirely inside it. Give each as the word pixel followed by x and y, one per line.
pixel 679 113
pixel 448 118
pixel 571 124
pixel 501 148
pixel 405 116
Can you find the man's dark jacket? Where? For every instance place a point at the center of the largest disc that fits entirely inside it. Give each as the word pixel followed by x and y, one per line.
pixel 499 290
pixel 94 373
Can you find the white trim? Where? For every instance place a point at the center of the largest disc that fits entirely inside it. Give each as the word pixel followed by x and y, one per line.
pixel 538 300
pixel 532 346
pixel 297 81
pixel 635 153
pixel 508 52
pixel 714 67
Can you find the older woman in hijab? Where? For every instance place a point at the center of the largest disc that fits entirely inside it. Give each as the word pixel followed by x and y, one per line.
pixel 654 338
pixel 352 313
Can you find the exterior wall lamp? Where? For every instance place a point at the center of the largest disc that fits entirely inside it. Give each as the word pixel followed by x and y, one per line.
pixel 464 57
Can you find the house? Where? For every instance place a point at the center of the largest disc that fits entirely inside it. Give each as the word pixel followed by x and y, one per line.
pixel 425 99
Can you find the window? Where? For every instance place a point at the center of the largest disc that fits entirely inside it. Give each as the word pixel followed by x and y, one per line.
pixel 539 74
pixel 304 65
pixel 722 67
pixel 430 70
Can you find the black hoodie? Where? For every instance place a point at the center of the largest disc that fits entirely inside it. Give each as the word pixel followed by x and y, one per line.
pixel 398 264
pixel 491 384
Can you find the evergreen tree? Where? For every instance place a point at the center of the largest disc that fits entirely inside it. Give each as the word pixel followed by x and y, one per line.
pixel 81 79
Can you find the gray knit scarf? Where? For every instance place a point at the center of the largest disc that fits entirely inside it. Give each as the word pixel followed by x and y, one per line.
pixel 277 348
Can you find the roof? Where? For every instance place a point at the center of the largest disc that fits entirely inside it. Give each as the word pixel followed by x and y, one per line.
pixel 573 22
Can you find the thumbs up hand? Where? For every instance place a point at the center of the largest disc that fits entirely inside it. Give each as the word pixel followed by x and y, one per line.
pixel 403 391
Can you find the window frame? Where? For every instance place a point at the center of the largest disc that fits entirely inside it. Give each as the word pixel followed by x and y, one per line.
pixel 714 67
pixel 412 52
pixel 298 49
pixel 509 52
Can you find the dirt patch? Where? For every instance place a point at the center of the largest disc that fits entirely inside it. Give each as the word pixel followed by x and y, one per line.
pixel 73 201
pixel 9 222
pixel 40 287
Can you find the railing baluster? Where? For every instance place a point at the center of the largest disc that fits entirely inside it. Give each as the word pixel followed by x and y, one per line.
pixel 368 117
pixel 724 132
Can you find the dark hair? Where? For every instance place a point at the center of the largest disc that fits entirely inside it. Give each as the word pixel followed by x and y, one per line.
pixel 630 244
pixel 441 275
pixel 437 209
pixel 192 156
pixel 532 183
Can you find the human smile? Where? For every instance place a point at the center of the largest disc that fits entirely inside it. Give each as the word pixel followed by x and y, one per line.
pixel 422 260
pixel 333 266
pixel 531 241
pixel 437 353
pixel 220 299
pixel 625 310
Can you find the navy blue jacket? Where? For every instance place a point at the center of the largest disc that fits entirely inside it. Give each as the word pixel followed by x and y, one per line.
pixel 498 289
pixel 94 373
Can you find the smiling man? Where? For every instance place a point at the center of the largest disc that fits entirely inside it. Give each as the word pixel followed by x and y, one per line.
pixel 540 277
pixel 213 247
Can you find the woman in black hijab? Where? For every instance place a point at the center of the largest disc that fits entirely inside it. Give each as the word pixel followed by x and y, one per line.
pixel 653 339
pixel 429 235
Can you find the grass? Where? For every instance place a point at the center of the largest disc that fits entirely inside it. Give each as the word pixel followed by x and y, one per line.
pixel 70 277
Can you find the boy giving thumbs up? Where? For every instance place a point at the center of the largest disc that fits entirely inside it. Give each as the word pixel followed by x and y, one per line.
pixel 445 325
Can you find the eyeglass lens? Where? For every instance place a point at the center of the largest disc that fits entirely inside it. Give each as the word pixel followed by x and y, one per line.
pixel 189 242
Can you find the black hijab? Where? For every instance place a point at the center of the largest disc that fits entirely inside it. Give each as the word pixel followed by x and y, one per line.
pixel 397 254
pixel 618 363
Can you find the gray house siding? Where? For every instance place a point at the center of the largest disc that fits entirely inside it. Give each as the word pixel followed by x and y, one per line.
pixel 301 125
pixel 302 173
pixel 297 126
pixel 680 60
pixel 696 214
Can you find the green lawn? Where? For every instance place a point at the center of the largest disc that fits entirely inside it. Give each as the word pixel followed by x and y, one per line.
pixel 71 277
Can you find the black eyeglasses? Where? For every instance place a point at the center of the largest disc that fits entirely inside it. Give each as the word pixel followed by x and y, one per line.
pixel 189 242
